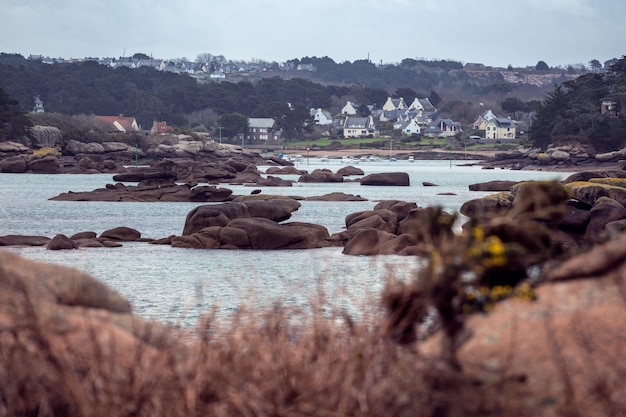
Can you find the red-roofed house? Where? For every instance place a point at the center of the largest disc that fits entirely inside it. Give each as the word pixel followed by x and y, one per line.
pixel 116 123
pixel 160 127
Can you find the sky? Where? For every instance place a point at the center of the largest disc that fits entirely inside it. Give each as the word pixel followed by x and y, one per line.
pixel 492 32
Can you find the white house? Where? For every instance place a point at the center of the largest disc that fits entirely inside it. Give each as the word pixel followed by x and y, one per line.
pixel 355 127
pixel 350 109
pixel 482 120
pixel 321 117
pixel 394 104
pixel 422 104
pixel 411 127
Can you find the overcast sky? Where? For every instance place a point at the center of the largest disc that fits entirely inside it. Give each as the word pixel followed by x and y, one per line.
pixel 493 32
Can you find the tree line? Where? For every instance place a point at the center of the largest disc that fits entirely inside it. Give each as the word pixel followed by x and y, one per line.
pixel 572 111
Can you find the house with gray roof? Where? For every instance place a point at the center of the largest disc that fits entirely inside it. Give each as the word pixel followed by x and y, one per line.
pixel 262 129
pixel 356 127
pixel 500 128
pixel 442 128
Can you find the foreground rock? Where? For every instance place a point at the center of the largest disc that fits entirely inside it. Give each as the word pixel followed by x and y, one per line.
pixel 62 331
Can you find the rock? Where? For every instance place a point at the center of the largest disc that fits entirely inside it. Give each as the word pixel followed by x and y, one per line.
pixel 272 181
pixel 84 235
pixel 288 170
pixel 49 164
pixel 22 240
pixel 8 148
pixel 45 136
pixel 560 156
pixel 140 174
pixel 587 175
pixel 589 192
pixel 64 330
pixel 575 217
pixel 496 185
pixel 75 147
pixel 350 170
pixel 122 234
pixel 266 234
pixel 116 147
pixel 603 212
pixel 423 223
pixel 61 242
pixel 401 208
pixel 403 244
pixel 336 196
pixel 382 219
pixel 213 215
pixel 387 179
pixel 14 164
pixel 276 209
pixel 488 206
pixel 367 242
pixel 320 175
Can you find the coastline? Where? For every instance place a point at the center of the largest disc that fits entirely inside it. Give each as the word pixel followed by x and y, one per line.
pixel 487 159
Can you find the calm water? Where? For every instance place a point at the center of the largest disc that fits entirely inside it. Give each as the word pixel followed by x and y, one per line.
pixel 178 285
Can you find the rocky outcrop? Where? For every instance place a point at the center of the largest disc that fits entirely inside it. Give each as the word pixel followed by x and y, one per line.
pixel 349 170
pixel 288 170
pixel 321 175
pixel 62 329
pixel 47 164
pixel 61 242
pixel 45 137
pixel 121 234
pixel 14 164
pixel 23 240
pixel 251 222
pixel 496 185
pixel 387 179
pixel 151 191
pixel 275 209
pixel 336 196
pixel 9 148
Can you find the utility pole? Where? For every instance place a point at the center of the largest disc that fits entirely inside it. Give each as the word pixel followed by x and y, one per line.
pixel 219 126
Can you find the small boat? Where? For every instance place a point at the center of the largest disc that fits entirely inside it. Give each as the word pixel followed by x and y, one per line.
pixel 348 160
pixel 325 158
pixel 374 159
pixel 392 159
pixel 411 159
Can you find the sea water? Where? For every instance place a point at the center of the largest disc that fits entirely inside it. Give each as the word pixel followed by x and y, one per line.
pixel 177 285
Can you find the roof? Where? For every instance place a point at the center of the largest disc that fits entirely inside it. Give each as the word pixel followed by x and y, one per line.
pixel 127 123
pixel 355 121
pixel 261 122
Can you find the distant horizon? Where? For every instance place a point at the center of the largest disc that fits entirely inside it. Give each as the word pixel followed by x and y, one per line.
pixel 258 59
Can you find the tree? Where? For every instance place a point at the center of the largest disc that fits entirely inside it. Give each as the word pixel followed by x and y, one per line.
pixel 434 98
pixel 542 66
pixel 13 121
pixel 548 117
pixel 595 65
pixel 140 55
pixel 407 94
pixel 512 105
pixel 232 124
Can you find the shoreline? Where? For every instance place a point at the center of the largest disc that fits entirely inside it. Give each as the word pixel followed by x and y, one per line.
pixel 484 158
